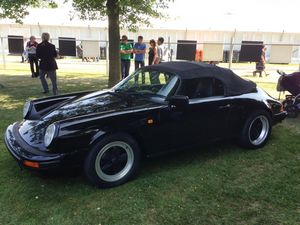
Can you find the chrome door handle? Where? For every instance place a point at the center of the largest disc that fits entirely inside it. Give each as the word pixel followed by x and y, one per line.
pixel 224 106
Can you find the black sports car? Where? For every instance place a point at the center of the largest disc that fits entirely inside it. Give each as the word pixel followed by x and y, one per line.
pixel 157 109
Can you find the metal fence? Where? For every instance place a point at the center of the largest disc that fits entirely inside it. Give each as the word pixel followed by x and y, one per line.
pixel 230 51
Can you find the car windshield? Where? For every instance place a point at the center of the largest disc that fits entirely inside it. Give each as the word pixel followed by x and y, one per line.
pixel 149 82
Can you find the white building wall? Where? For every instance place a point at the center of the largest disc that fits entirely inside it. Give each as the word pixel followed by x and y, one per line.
pixel 97 33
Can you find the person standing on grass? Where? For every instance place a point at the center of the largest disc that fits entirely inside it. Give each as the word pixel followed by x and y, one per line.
pixel 139 50
pixel 161 51
pixel 46 52
pixel 261 65
pixel 33 60
pixel 125 52
pixel 152 54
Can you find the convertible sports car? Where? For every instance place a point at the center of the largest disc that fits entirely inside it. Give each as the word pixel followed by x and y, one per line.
pixel 157 109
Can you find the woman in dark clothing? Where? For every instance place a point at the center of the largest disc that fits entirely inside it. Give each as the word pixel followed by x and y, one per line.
pixel 33 60
pixel 260 66
pixel 152 58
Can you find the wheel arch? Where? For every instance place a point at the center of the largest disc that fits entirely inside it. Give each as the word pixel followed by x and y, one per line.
pixel 257 106
pixel 133 134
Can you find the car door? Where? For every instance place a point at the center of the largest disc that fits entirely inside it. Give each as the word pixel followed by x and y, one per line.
pixel 161 127
pixel 208 110
pixel 203 119
pixel 209 117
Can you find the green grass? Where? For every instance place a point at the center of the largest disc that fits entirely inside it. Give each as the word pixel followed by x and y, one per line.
pixel 217 184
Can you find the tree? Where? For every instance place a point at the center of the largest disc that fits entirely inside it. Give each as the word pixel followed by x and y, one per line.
pixel 18 9
pixel 121 13
pixel 128 14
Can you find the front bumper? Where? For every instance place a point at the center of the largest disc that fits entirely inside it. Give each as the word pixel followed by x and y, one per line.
pixel 277 118
pixel 25 153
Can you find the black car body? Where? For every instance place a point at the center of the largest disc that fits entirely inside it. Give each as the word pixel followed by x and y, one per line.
pixel 158 109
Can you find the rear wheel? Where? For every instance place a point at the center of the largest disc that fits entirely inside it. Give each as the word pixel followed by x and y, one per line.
pixel 256 130
pixel 292 111
pixel 112 161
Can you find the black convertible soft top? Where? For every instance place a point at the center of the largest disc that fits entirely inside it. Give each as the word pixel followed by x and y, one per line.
pixel 233 84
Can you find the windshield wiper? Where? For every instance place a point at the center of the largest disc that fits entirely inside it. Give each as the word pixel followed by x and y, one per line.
pixel 125 92
pixel 139 93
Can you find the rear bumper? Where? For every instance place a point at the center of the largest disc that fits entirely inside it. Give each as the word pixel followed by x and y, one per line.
pixel 24 153
pixel 277 118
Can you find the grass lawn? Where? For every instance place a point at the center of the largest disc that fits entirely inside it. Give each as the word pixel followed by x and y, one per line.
pixel 217 184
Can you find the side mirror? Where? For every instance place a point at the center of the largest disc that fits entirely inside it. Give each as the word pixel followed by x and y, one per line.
pixel 178 102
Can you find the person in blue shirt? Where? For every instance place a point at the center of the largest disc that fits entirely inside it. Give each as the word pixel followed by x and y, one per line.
pixel 139 50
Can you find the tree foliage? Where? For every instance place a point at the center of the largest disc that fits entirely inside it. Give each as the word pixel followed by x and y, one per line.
pixel 18 9
pixel 128 14
pixel 132 13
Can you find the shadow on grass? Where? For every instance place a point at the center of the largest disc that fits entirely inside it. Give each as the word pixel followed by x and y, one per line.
pixel 220 154
pixel 167 163
pixel 20 88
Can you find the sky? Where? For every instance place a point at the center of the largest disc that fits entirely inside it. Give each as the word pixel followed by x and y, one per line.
pixel 238 14
pixel 243 15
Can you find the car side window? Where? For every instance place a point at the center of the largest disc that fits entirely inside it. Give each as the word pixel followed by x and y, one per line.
pixel 202 88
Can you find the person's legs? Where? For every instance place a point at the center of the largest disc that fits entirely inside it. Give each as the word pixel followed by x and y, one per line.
pixel 142 64
pixel 44 81
pixel 36 62
pixel 127 68
pixel 52 76
pixel 136 65
pixel 31 62
pixel 123 69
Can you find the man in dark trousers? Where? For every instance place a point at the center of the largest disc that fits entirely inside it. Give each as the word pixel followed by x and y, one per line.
pixel 46 52
pixel 125 52
pixel 139 50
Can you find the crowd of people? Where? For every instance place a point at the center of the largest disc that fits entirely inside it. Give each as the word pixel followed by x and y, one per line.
pixel 156 54
pixel 41 57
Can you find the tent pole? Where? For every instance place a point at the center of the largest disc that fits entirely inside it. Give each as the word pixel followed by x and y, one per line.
pixel 231 49
pixel 169 49
pixel 3 53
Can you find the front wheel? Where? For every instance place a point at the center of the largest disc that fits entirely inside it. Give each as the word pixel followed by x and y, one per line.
pixel 112 161
pixel 256 130
pixel 292 111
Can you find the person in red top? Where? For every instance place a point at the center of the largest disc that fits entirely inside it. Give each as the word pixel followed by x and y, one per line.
pixel 33 60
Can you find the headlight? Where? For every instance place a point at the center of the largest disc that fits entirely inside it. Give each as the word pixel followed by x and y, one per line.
pixel 50 134
pixel 26 109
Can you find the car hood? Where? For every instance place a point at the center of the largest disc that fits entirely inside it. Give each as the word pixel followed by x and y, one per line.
pixel 97 103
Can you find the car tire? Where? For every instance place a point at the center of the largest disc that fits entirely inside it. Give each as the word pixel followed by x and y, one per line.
pixel 292 111
pixel 256 130
pixel 112 161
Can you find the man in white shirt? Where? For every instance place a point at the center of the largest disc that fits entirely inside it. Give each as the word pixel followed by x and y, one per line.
pixel 161 50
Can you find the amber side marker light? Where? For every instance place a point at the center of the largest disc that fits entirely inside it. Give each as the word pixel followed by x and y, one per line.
pixel 150 121
pixel 31 164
